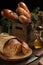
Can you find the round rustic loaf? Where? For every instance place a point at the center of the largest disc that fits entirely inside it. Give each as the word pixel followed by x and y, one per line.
pixel 11 46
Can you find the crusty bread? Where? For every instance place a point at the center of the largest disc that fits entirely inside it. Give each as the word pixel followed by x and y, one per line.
pixel 23 5
pixel 9 14
pixel 12 47
pixel 21 11
pixel 25 48
pixel 41 61
pixel 24 19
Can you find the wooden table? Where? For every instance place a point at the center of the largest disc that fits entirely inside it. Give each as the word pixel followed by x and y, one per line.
pixel 3 62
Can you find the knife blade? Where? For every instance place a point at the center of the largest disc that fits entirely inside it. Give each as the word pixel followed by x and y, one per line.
pixel 34 57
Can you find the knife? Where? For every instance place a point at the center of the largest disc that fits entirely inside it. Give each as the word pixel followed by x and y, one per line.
pixel 34 57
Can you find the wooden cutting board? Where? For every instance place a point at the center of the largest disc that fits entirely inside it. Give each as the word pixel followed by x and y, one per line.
pixel 41 61
pixel 16 58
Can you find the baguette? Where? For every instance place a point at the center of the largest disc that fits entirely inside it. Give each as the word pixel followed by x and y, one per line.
pixel 21 11
pixel 23 5
pixel 9 14
pixel 24 19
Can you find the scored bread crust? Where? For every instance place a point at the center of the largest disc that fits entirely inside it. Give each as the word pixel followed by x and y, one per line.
pixel 12 47
pixel 25 48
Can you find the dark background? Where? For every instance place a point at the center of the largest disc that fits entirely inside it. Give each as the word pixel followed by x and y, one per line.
pixel 12 4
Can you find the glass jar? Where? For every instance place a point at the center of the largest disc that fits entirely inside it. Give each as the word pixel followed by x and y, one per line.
pixel 38 43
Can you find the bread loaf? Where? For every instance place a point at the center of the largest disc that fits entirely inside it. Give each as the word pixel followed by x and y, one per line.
pixel 12 48
pixel 24 19
pixel 25 48
pixel 21 11
pixel 9 14
pixel 23 5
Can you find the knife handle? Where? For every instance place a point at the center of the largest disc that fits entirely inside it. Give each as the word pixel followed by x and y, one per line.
pixel 39 54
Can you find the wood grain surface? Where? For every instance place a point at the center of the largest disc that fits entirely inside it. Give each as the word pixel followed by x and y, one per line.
pixel 3 62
